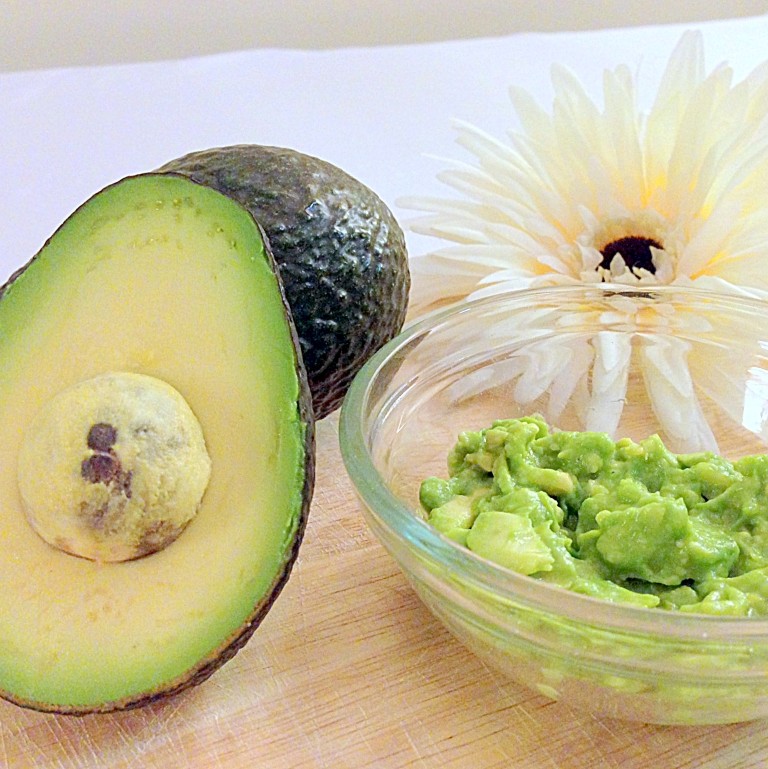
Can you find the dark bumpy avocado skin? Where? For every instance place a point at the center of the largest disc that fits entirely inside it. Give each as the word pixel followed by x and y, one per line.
pixel 340 252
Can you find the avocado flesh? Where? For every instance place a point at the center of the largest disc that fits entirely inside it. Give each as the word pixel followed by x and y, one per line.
pixel 159 276
pixel 340 251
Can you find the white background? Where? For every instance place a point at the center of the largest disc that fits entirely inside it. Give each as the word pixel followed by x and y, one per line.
pixel 51 33
pixel 382 113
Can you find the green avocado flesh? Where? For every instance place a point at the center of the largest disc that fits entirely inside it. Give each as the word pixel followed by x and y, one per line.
pixel 625 522
pixel 156 276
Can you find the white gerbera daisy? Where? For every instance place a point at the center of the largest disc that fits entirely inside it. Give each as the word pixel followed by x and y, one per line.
pixel 590 194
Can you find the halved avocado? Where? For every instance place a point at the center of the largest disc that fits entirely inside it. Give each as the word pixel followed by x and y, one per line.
pixel 162 286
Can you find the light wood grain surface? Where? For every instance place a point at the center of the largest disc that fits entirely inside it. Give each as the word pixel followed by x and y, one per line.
pixel 350 670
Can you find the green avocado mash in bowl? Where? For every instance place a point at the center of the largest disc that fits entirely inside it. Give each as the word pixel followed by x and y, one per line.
pixel 575 482
pixel 627 522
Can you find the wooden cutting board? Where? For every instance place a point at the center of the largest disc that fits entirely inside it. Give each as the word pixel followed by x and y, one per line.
pixel 350 670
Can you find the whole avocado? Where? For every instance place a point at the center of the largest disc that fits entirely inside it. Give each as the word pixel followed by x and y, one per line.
pixel 340 252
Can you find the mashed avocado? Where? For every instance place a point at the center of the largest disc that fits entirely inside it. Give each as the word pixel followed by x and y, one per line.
pixel 622 521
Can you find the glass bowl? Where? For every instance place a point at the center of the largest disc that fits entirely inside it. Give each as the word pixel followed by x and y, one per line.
pixel 689 365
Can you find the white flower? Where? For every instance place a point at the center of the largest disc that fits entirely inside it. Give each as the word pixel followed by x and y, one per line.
pixel 607 194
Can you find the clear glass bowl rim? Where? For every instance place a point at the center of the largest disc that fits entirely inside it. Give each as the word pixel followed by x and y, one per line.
pixel 413 533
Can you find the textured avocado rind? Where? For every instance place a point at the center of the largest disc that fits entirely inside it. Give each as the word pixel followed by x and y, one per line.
pixel 340 252
pixel 225 650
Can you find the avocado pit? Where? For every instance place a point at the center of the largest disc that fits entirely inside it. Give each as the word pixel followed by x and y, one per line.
pixel 113 468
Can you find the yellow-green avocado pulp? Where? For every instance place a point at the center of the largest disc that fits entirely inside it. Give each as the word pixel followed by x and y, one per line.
pixel 161 277
pixel 626 522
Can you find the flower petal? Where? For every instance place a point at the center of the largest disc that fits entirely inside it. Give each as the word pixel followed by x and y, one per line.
pixel 610 374
pixel 664 361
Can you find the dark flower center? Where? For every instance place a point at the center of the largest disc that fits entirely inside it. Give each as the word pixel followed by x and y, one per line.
pixel 635 250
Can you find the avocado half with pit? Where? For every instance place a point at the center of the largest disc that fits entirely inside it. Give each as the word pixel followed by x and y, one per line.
pixel 339 249
pixel 158 448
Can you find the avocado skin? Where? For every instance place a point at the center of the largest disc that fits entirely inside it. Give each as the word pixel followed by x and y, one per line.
pixel 340 252
pixel 206 667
